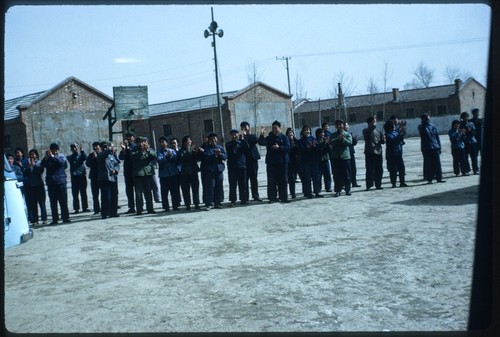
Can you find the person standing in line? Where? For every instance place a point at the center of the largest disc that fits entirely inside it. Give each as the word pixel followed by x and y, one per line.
pixel 35 188
pixel 352 151
pixel 141 157
pixel 294 163
pixel 169 174
pixel 328 169
pixel 310 154
pixel 214 156
pixel 78 174
pixel 339 143
pixel 324 160
pixel 127 147
pixel 470 141
pixel 108 167
pixel 19 159
pixel 236 150
pixel 430 145
pixel 91 163
pixel 55 165
pixel 278 146
pixel 394 153
pixel 374 139
pixel 18 170
pixel 457 139
pixel 252 158
pixel 478 124
pixel 188 157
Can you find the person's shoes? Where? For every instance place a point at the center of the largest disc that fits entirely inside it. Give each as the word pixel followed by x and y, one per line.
pixel 244 203
pixel 356 185
pixel 66 221
pixel 218 206
pixel 328 191
pixel 104 217
pixel 337 194
pixel 464 174
pixel 257 199
pixel 286 201
pixel 379 188
pixel 86 210
pixel 188 208
pixel 441 181
pixel 403 185
pixel 131 211
pixel 44 222
pixel 393 185
pixel 368 188
pixel 54 222
pixel 272 201
pixel 476 173
pixel 138 213
pixel 115 216
pixel 429 182
pixel 348 193
pixel 76 211
pixel 152 211
pixel 319 196
pixel 310 196
pixel 231 204
pixel 196 206
pixel 97 212
pixel 294 196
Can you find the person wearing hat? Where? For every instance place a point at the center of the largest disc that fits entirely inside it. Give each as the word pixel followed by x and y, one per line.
pixel 236 150
pixel 91 163
pixel 430 145
pixel 55 165
pixel 374 138
pixel 142 173
pixel 108 166
pixel 168 172
pixel 214 156
pixel 78 174
pixel 127 146
pixel 470 141
pixel 253 157
pixel 278 146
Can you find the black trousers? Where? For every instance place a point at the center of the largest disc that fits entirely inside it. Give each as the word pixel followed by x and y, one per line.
pixel 58 194
pixel 460 164
pixel 79 188
pixel 341 174
pixel 374 169
pixel 396 166
pixel 238 179
pixel 170 185
pixel 142 186
pixel 129 189
pixel 277 181
pixel 94 188
pixel 252 173
pixel 432 165
pixel 190 182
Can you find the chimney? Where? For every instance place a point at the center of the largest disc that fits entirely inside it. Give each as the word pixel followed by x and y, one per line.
pixel 457 85
pixel 341 96
pixel 395 92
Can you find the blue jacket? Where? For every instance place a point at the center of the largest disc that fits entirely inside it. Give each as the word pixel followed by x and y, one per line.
pixel 310 150
pixel 393 143
pixel 168 165
pixel 276 156
pixel 252 152
pixel 76 163
pixel 470 135
pixel 33 174
pixel 212 162
pixel 55 166
pixel 236 153
pixel 429 137
pixel 456 139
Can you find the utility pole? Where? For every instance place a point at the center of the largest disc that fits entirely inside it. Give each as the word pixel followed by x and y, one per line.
pixel 286 58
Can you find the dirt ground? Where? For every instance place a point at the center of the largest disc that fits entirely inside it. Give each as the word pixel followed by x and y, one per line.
pixel 397 259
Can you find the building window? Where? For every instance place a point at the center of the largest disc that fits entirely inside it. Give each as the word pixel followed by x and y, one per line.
pixel 167 130
pixel 441 110
pixel 352 118
pixel 410 113
pixel 209 125
pixel 380 115
pixel 7 141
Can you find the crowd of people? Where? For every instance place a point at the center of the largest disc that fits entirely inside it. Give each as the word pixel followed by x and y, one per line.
pixel 318 161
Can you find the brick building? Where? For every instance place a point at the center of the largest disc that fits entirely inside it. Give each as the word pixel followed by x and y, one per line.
pixel 444 100
pixel 258 103
pixel 72 111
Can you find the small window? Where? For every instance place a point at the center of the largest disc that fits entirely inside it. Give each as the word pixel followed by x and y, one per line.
pixel 441 110
pixel 209 125
pixel 352 118
pixel 410 113
pixel 167 130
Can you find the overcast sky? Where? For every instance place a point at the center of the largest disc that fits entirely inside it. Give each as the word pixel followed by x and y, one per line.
pixel 163 47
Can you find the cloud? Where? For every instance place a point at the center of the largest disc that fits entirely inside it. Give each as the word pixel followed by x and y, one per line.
pixel 126 60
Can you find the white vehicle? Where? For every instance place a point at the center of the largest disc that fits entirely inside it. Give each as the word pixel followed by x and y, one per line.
pixel 15 217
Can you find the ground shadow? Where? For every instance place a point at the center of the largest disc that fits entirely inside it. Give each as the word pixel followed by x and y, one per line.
pixel 462 196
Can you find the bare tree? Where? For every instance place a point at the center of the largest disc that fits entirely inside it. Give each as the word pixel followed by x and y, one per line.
pixel 254 76
pixel 299 88
pixel 423 77
pixel 452 73
pixel 372 87
pixel 345 82
pixel 386 75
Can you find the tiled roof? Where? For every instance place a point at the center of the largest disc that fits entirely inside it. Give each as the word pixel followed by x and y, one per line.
pixel 413 95
pixel 190 104
pixel 10 105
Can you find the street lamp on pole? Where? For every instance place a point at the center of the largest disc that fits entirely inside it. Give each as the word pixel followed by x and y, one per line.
pixel 212 31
